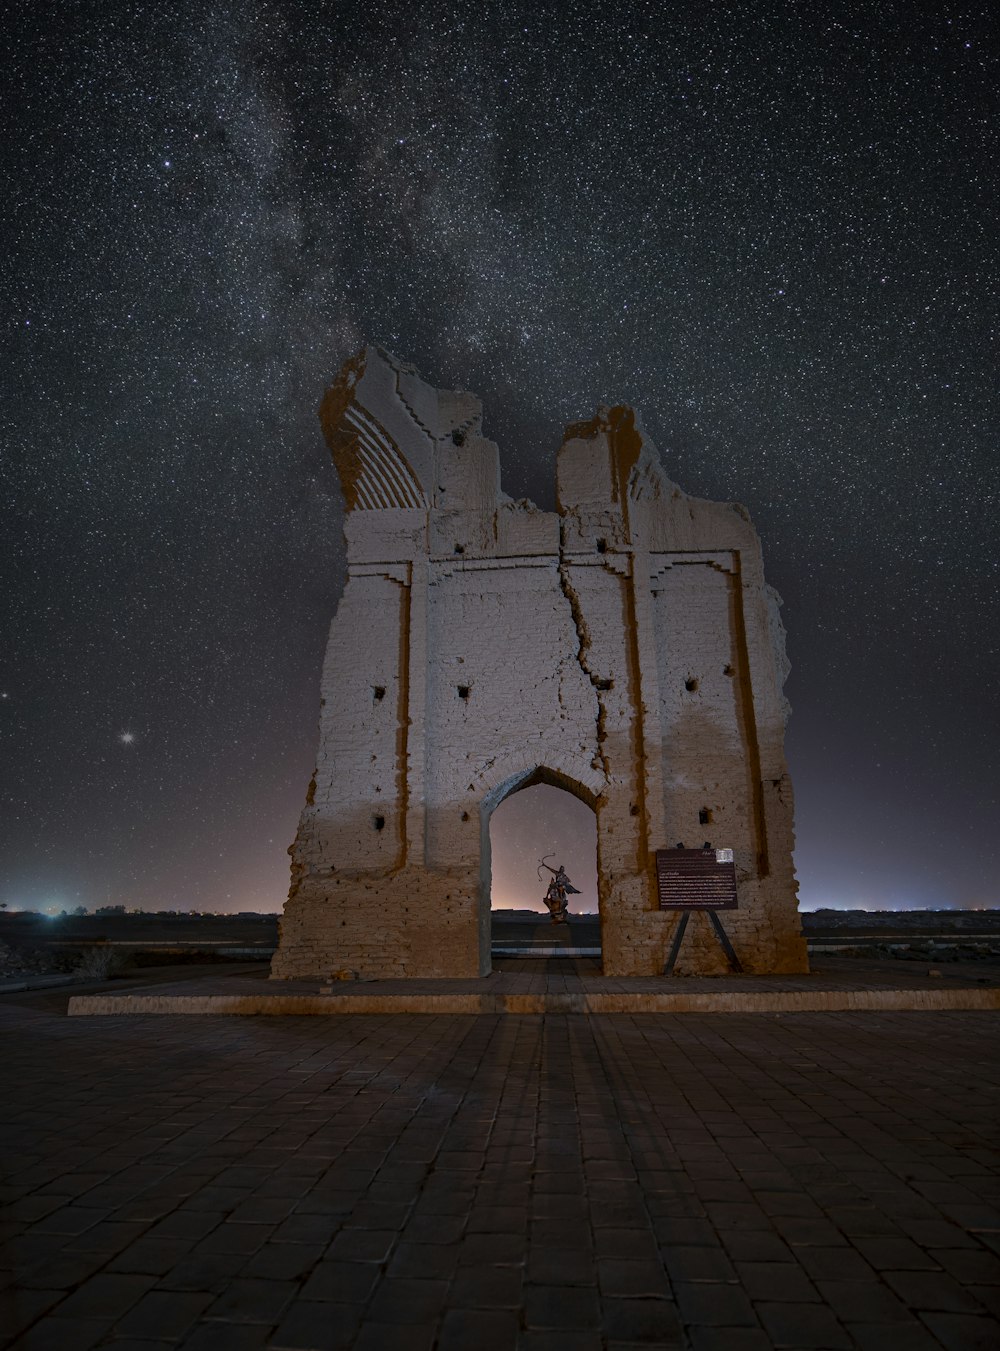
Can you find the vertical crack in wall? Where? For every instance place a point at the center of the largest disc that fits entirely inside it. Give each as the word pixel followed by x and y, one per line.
pixel 583 646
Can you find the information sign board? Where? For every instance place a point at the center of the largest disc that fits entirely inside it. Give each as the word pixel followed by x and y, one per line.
pixel 696 879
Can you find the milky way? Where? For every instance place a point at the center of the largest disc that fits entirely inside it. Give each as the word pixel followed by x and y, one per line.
pixel 772 228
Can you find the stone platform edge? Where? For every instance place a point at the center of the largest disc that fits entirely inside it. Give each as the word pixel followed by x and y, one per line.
pixel 298 1005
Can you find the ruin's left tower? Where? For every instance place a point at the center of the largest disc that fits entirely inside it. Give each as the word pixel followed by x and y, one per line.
pixel 624 647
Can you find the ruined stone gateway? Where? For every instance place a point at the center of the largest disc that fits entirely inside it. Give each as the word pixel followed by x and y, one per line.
pixel 625 647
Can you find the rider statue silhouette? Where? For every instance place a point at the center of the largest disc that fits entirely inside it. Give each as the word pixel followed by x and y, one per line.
pixel 559 889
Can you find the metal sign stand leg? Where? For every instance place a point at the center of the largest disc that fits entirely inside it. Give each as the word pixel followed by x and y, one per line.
pixel 675 946
pixel 720 933
pixel 727 947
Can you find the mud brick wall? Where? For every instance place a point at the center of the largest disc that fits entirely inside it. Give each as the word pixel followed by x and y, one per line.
pixel 625 647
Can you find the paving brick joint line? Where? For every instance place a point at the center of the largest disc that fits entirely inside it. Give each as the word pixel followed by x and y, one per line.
pixel 533 1183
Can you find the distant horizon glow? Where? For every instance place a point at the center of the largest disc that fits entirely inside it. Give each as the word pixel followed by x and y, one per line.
pixel 539 909
pixel 536 821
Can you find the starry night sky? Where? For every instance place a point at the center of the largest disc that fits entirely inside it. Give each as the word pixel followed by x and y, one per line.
pixel 772 228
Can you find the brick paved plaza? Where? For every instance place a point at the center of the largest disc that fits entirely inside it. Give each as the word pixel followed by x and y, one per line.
pixel 566 1183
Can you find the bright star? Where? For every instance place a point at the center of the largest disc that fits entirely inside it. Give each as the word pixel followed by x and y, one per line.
pixel 127 738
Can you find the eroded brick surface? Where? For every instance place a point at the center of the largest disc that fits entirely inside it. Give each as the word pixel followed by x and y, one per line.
pixel 625 647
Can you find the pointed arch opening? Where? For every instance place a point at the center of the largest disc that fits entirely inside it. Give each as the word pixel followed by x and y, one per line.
pixel 535 815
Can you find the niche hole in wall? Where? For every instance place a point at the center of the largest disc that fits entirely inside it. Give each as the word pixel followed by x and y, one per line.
pixel 463 691
pixel 460 548
pixel 465 816
pixel 378 823
pixel 728 670
pixel 602 546
pixel 691 684
pixel 705 816
pixel 378 693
